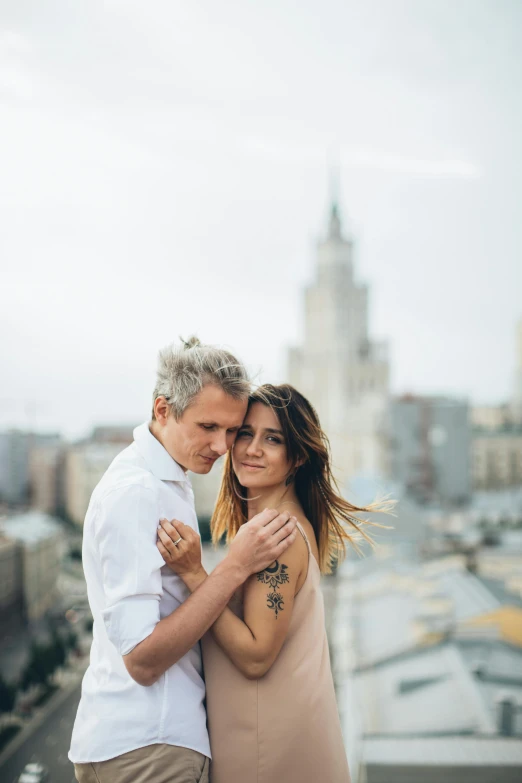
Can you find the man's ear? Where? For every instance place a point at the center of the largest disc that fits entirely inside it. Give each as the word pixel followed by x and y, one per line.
pixel 161 410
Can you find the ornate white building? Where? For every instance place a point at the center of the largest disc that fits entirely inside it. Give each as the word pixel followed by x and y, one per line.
pixel 338 367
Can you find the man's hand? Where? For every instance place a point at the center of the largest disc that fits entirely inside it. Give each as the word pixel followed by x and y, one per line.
pixel 262 540
pixel 183 557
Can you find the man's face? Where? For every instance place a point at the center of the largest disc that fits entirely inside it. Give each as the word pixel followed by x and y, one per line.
pixel 206 430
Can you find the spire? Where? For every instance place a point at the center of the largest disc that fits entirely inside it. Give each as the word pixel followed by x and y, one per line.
pixel 334 226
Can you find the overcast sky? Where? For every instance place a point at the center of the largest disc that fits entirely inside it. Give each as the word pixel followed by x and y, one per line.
pixel 164 170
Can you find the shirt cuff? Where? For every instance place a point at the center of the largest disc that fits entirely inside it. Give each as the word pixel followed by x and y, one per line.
pixel 130 621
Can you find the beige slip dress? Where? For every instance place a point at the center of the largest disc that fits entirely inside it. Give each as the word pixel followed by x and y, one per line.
pixel 285 726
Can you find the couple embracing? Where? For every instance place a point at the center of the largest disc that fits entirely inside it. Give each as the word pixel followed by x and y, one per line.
pixel 231 666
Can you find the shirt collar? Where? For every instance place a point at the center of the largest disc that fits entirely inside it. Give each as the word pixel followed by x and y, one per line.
pixel 158 460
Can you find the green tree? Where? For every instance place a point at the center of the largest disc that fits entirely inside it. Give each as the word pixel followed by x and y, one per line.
pixel 7 695
pixel 36 669
pixel 43 660
pixel 72 640
pixel 59 649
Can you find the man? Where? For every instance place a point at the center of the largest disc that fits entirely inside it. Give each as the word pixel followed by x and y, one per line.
pixel 141 715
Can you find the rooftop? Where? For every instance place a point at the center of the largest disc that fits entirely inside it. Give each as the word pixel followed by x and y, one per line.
pixel 393 697
pixel 401 606
pixel 455 751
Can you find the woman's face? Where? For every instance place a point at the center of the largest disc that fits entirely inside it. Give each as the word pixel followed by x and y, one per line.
pixel 259 454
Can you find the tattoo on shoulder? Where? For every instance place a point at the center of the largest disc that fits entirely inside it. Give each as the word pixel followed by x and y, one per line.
pixel 275 601
pixel 274 575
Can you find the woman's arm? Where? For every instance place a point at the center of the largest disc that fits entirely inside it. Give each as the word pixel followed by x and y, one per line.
pixel 252 644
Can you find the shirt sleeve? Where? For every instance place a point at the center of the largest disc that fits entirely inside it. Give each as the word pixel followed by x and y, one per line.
pixel 126 532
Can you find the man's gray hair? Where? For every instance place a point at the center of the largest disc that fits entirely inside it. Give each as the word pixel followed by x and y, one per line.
pixel 184 369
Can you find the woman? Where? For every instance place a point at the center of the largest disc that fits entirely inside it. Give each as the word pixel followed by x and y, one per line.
pixel 271 706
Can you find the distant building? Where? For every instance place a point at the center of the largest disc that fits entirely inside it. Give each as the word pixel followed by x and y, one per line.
pixel 14 470
pixel 16 448
pixel 38 538
pixel 430 448
pixel 491 418
pixel 497 458
pixel 11 580
pixel 338 367
pixel 85 464
pixel 45 469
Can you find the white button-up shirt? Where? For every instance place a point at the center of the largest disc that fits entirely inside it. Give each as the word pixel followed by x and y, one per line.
pixel 130 589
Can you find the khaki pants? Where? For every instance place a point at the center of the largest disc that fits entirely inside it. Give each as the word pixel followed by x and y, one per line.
pixel 152 764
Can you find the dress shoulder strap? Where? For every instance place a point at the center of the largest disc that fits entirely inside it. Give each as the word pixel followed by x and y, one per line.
pixel 305 538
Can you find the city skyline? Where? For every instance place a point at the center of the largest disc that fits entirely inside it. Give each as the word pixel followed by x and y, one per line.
pixel 165 171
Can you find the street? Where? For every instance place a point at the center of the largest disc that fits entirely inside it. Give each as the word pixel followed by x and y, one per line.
pixel 49 744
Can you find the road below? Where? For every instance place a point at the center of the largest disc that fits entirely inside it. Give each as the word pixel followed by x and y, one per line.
pixel 48 744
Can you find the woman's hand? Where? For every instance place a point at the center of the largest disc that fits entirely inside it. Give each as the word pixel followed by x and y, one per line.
pixel 183 557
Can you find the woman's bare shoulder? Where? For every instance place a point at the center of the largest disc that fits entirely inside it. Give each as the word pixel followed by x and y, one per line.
pixel 308 530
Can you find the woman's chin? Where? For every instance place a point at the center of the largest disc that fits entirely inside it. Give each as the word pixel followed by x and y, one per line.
pixel 248 480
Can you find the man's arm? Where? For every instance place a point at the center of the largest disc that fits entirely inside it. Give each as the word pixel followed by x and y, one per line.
pixel 125 537
pixel 174 636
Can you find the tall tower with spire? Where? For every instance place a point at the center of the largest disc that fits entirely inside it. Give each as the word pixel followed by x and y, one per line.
pixel 338 367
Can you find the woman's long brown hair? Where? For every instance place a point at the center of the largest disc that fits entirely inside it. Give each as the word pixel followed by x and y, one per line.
pixel 333 518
